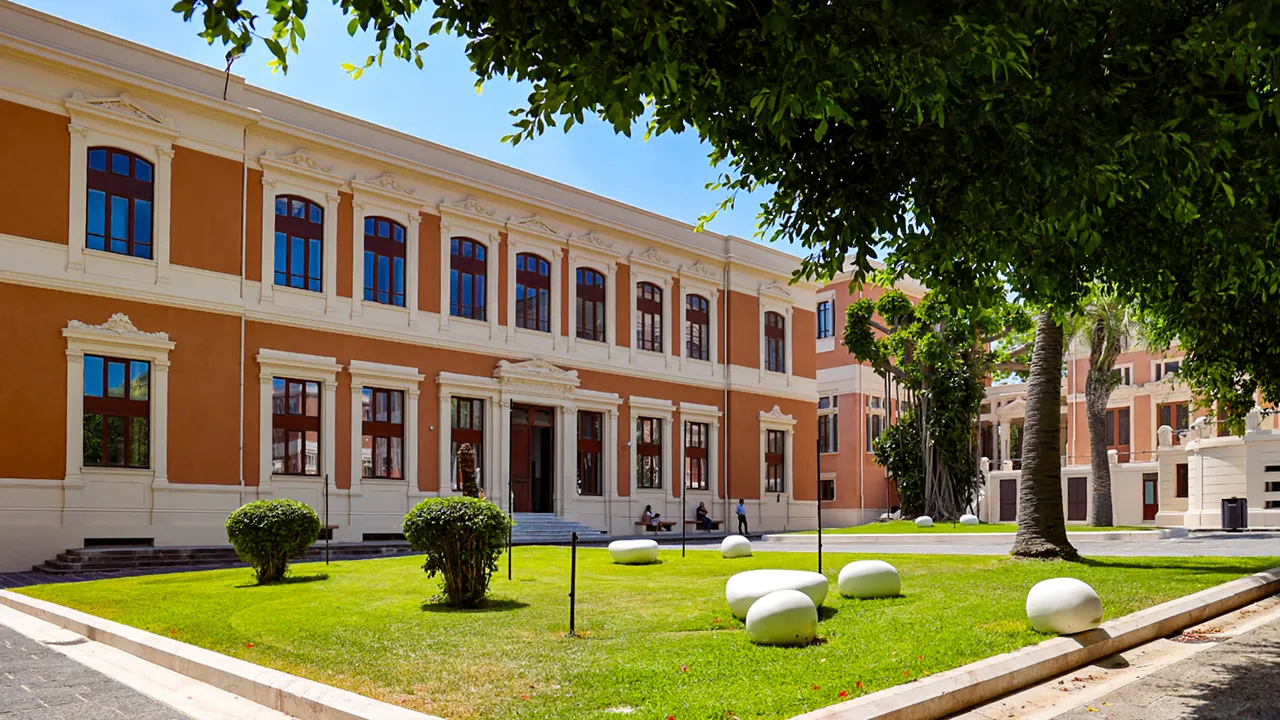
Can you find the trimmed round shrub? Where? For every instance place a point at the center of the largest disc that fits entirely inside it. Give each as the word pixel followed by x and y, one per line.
pixel 463 538
pixel 267 534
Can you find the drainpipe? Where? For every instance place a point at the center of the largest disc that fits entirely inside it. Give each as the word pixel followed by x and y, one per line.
pixel 724 368
pixel 244 205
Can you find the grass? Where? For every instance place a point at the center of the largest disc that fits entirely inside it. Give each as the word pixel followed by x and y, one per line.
pixel 655 641
pixel 907 527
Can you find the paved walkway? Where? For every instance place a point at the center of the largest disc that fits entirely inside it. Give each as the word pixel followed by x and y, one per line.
pixel 1257 544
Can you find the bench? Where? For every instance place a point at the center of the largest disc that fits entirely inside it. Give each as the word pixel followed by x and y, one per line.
pixel 715 524
pixel 666 525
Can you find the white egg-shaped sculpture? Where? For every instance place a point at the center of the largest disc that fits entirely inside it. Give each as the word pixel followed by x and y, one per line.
pixel 634 552
pixel 784 617
pixel 869 579
pixel 1063 606
pixel 735 546
pixel 968 519
pixel 745 588
pixel 924 521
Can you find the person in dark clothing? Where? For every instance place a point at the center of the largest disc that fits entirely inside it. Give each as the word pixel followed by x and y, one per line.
pixel 704 517
pixel 742 516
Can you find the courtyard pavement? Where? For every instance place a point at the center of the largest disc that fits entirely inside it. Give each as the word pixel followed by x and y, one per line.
pixel 1247 544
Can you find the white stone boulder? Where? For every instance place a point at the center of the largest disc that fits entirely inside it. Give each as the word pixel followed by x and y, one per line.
pixel 968 519
pixel 634 552
pixel 745 588
pixel 784 617
pixel 869 579
pixel 1063 606
pixel 924 521
pixel 735 546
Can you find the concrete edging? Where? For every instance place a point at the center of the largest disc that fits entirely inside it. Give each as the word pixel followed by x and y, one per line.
pixel 289 694
pixel 834 540
pixel 955 690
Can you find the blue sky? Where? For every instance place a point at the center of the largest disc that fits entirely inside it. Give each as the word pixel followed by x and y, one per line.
pixel 666 174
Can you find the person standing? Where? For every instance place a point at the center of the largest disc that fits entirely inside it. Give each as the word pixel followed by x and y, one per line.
pixel 742 516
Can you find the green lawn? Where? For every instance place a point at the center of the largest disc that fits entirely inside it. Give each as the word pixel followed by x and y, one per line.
pixel 905 527
pixel 656 640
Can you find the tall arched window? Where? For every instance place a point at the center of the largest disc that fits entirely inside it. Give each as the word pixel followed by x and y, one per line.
pixel 299 243
pixel 775 342
pixel 591 305
pixel 697 320
pixel 384 261
pixel 468 271
pixel 533 293
pixel 648 317
pixel 121 192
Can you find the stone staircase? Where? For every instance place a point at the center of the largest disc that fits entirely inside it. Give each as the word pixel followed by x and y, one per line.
pixel 546 528
pixel 145 558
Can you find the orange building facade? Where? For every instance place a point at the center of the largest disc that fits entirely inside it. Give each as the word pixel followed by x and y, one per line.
pixel 206 302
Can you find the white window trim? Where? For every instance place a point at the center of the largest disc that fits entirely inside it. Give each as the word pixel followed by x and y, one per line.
pixel 606 404
pixel 826 344
pixel 384 377
pixel 383 196
pixel 298 174
pixel 117 337
pixel 532 235
pixel 868 412
pixel 703 280
pixel 709 414
pixel 663 410
pixel 824 412
pixel 828 477
pixel 1160 364
pixel 776 298
pixel 297 366
pixel 775 419
pixel 1121 367
pixel 470 218
pixel 119 122
pixel 597 253
pixel 453 385
pixel 652 267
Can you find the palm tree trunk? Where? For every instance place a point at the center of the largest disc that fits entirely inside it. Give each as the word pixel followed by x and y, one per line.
pixel 1042 530
pixel 1096 393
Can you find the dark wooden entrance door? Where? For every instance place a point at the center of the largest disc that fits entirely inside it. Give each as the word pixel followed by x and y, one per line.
pixel 1008 500
pixel 1077 499
pixel 532 442
pixel 1150 495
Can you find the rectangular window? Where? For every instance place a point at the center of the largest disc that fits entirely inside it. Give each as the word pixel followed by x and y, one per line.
pixel 382 441
pixel 468 271
pixel 875 421
pixel 299 243
pixel 468 427
pixel 1273 487
pixel 1126 374
pixel 829 433
pixel 1175 415
pixel 117 412
pixel 648 317
pixel 827 490
pixel 590 447
pixel 649 453
pixel 295 427
pixel 826 320
pixel 775 339
pixel 1117 432
pixel 775 480
pixel 697 319
pixel 695 455
pixel 1181 481
pixel 1166 368
pixel 384 255
pixel 591 319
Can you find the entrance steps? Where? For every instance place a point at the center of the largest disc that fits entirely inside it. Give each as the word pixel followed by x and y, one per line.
pixel 546 528
pixel 125 559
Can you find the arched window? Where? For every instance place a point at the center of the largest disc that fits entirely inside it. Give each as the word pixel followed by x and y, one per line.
pixel 468 271
pixel 384 261
pixel 121 192
pixel 533 293
pixel 698 323
pixel 775 342
pixel 648 317
pixel 299 243
pixel 591 305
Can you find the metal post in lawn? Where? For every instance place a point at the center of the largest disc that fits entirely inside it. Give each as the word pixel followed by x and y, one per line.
pixel 511 511
pixel 684 490
pixel 818 473
pixel 573 580
pixel 328 532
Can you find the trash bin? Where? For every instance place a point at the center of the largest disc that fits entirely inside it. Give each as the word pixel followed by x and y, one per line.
pixel 1235 514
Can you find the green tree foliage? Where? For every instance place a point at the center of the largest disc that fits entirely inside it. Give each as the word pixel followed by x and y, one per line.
pixel 463 538
pixel 267 534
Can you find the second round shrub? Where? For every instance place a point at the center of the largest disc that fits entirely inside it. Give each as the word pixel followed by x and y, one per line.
pixel 267 534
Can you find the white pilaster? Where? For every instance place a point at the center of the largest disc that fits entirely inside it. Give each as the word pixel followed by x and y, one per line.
pixel 330 283
pixel 160 231
pixel 268 237
pixel 78 208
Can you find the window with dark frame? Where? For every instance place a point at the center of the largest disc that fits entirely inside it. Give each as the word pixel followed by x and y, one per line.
pixel 697 317
pixel 1117 432
pixel 299 243
pixel 695 455
pixel 468 276
pixel 295 427
pixel 1165 368
pixel 875 421
pixel 1175 415
pixel 590 451
pixel 533 293
pixel 1181 483
pixel 591 293
pixel 384 261
pixel 829 433
pixel 648 317
pixel 826 320
pixel 382 430
pixel 775 338
pixel 467 427
pixel 117 412
pixel 649 453
pixel 827 489
pixel 119 204
pixel 775 480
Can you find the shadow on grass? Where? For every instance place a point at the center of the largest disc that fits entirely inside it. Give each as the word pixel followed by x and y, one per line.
pixel 1242 566
pixel 437 605
pixel 826 613
pixel 290 580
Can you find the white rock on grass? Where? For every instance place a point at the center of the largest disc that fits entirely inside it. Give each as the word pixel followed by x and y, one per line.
pixel 745 588
pixel 634 552
pixel 869 579
pixel 1063 606
pixel 924 521
pixel 784 617
pixel 968 519
pixel 735 546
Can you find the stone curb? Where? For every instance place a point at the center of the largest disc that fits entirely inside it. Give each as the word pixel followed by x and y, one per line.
pixel 832 540
pixel 949 692
pixel 289 694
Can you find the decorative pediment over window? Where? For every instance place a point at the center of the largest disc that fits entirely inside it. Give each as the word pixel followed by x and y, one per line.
pixel 652 257
pixel 535 372
pixel 117 330
pixel 471 206
pixel 300 158
pixel 385 181
pixel 122 105
pixel 535 223
pixel 703 271
pixel 776 417
pixel 777 290
pixel 119 324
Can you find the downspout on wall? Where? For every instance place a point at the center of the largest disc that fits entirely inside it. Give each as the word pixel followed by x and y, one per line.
pixel 244 247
